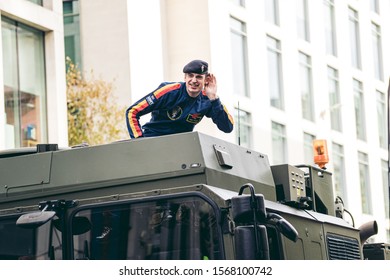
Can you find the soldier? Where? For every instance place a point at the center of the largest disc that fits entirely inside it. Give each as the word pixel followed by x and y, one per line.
pixel 178 107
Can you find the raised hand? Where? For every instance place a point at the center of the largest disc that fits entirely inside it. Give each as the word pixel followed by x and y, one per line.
pixel 211 87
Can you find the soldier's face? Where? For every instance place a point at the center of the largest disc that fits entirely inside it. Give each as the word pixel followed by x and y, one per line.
pixel 194 83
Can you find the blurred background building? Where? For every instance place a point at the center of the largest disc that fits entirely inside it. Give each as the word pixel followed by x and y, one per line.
pixel 289 71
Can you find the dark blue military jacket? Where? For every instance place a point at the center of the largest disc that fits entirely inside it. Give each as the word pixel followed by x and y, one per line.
pixel 174 111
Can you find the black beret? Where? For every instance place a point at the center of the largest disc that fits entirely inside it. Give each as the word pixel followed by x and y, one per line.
pixel 196 66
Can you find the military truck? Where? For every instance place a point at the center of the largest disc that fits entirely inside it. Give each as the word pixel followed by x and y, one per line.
pixel 183 196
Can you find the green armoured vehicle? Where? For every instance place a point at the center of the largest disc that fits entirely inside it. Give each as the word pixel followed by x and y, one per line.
pixel 184 196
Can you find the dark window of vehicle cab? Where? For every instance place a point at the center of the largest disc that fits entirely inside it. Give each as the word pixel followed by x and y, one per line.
pixel 18 243
pixel 176 228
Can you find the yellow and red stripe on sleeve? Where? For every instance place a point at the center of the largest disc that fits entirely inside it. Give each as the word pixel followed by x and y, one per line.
pixel 163 90
pixel 227 113
pixel 132 114
pixel 133 120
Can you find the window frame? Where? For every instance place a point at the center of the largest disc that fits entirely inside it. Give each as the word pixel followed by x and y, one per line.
pixel 93 205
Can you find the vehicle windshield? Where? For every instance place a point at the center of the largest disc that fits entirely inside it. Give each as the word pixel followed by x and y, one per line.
pixel 176 228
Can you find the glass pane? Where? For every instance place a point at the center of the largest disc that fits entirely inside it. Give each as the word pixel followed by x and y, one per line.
pixel 302 20
pixel 354 38
pixel 70 7
pixel 364 176
pixel 359 110
pixel 10 76
pixel 239 2
pixel 374 6
pixel 308 148
pixel 32 85
pixel 275 73
pixel 272 11
pixel 334 99
pixel 72 31
pixel 385 179
pixel 306 87
pixel 239 57
pixel 18 243
pixel 38 2
pixel 377 51
pixel 244 122
pixel 279 149
pixel 330 30
pixel 24 84
pixel 184 228
pixel 339 172
pixel 382 119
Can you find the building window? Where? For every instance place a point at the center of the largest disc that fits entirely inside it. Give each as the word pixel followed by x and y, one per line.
pixel 38 2
pixel 382 119
pixel 334 99
pixel 339 172
pixel 330 30
pixel 239 56
pixel 306 87
pixel 359 110
pixel 243 121
pixel 72 31
pixel 275 73
pixel 354 38
pixel 239 2
pixel 374 6
pixel 377 51
pixel 364 176
pixel 385 180
pixel 303 20
pixel 279 143
pixel 24 84
pixel 272 11
pixel 308 148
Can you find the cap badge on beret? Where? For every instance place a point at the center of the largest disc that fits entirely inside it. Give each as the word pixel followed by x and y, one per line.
pixel 196 66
